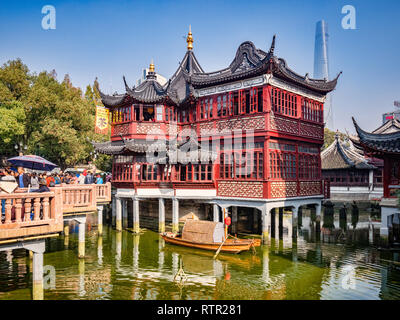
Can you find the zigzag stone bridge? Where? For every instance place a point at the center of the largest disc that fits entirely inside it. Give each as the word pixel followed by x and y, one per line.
pixel 30 218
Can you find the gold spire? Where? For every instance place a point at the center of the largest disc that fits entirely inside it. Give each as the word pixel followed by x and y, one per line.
pixel 151 68
pixel 189 39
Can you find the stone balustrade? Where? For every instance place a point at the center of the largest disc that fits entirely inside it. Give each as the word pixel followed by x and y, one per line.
pixel 24 214
pixel 30 214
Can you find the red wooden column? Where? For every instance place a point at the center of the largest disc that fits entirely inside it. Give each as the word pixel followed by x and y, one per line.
pixel 297 169
pixel 267 184
pixel 387 168
pixel 298 98
pixel 267 105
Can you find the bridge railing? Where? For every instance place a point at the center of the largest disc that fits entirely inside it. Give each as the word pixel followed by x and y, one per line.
pixel 30 214
pixel 103 192
pixel 24 214
pixel 78 198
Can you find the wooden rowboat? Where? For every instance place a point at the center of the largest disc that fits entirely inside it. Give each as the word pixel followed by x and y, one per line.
pixel 234 245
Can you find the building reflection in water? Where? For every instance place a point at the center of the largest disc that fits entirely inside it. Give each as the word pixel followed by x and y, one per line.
pixel 161 254
pixel 100 250
pixel 118 249
pixel 265 264
pixel 81 269
pixel 136 241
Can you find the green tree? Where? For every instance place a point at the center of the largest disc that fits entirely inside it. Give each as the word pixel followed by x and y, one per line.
pixel 329 137
pixel 12 125
pixel 53 118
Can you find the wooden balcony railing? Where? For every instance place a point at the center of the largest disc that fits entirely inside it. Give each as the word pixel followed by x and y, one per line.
pixel 24 214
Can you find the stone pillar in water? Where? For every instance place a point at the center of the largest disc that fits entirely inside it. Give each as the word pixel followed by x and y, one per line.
pixel 81 239
pixel 175 215
pixel 136 225
pixel 118 214
pixel 266 222
pixel 100 220
pixel 37 248
pixel 295 211
pixel 161 215
pixel 37 283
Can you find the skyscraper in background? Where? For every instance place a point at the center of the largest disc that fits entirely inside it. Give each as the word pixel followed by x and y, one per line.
pixel 321 66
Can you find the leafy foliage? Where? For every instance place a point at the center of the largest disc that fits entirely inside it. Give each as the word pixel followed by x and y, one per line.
pixel 329 137
pixel 54 119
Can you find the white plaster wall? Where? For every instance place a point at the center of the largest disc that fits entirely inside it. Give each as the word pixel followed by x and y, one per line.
pixel 196 192
pixel 154 192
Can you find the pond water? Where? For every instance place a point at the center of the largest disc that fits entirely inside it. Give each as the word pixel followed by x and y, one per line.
pixel 333 262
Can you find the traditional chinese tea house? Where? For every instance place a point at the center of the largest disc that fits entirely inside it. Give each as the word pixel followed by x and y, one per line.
pixel 246 136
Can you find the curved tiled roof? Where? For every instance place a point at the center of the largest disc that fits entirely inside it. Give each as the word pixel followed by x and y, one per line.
pixel 180 88
pixel 172 152
pixel 340 156
pixel 393 125
pixel 323 86
pixel 248 62
pixel 149 91
pixel 382 142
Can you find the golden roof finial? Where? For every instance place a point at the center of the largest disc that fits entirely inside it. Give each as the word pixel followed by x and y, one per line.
pixel 151 68
pixel 189 39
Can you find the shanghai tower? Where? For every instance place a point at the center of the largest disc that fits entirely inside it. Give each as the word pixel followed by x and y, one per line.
pixel 321 65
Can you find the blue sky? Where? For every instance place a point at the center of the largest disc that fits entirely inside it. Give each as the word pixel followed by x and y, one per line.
pixel 109 39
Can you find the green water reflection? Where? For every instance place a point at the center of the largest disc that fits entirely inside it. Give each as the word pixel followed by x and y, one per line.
pixel 339 262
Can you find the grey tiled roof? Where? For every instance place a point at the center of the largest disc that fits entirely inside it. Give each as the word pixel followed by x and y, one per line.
pixel 170 151
pixel 248 62
pixel 381 142
pixel 340 156
pixel 393 125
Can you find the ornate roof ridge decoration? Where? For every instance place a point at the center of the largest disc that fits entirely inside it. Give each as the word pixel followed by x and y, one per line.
pixel 127 89
pixel 248 62
pixel 112 100
pixel 180 89
pixel 281 69
pixel 355 147
pixel 370 136
pixel 339 156
pixel 380 142
pixel 393 125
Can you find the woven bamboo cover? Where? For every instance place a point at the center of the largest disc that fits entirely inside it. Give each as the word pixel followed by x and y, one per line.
pixel 203 231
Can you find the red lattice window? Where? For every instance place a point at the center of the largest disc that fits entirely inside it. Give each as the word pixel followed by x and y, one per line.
pixel 283 161
pixel 311 110
pixel 283 102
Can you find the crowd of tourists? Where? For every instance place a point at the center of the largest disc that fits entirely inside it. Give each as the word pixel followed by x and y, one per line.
pixel 41 182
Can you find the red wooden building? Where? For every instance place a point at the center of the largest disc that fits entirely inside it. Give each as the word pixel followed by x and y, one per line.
pixel 351 174
pixel 385 145
pixel 248 135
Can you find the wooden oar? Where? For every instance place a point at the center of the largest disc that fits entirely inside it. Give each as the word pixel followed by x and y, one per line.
pixel 219 249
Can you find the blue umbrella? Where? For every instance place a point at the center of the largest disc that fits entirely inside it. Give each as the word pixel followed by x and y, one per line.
pixel 32 162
